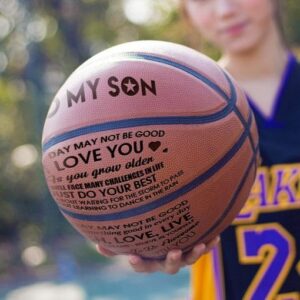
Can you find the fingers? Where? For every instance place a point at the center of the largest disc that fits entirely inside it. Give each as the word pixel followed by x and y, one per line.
pixel 105 252
pixel 143 266
pixel 173 262
pixel 199 250
pixel 195 254
pixel 171 265
pixel 212 244
pixel 137 263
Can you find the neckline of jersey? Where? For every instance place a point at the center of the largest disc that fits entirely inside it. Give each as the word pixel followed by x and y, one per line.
pixel 291 62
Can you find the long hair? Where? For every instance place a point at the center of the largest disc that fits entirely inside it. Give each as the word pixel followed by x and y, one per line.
pixel 279 6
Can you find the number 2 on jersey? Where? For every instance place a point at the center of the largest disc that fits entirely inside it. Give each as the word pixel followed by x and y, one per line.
pixel 271 246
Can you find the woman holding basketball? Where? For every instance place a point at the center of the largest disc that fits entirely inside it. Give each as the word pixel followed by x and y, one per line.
pixel 258 257
pixel 259 254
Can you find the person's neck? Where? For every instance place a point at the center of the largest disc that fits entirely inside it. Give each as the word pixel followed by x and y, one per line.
pixel 267 59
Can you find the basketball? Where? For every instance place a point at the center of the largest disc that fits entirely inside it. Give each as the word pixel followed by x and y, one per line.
pixel 150 146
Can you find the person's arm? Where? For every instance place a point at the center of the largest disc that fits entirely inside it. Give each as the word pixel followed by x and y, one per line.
pixel 171 265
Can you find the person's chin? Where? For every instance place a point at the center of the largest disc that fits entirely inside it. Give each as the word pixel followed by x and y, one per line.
pixel 240 46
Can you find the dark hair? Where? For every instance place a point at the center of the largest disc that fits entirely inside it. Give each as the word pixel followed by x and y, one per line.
pixel 279 18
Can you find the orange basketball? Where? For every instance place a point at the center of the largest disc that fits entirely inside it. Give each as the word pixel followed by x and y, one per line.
pixel 150 146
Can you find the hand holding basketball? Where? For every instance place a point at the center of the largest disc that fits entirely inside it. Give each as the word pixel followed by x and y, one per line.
pixel 149 147
pixel 171 265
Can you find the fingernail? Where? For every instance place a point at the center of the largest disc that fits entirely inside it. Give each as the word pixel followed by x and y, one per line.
pixel 176 255
pixel 200 248
pixel 134 260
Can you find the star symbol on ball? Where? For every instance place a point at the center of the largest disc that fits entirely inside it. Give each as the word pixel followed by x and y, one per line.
pixel 131 87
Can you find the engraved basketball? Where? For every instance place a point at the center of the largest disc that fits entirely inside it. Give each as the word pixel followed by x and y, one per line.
pixel 150 146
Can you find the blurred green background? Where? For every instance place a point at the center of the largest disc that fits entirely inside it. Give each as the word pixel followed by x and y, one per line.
pixel 41 43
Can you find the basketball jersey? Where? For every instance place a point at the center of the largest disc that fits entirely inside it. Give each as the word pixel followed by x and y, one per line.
pixel 259 254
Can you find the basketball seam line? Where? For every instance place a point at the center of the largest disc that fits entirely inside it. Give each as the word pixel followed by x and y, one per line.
pixel 184 68
pixel 239 114
pixel 253 146
pixel 228 208
pixel 181 120
pixel 168 198
pixel 129 123
pixel 241 117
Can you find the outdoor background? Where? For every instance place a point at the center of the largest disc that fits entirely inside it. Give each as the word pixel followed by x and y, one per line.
pixel 41 43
